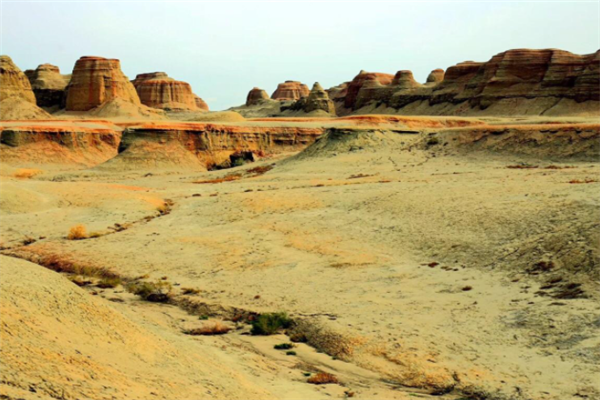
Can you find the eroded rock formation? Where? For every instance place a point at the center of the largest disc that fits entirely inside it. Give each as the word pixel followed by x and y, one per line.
pixel 158 90
pixel 13 82
pixel 375 79
pixel 48 85
pixel 319 100
pixel 201 104
pixel 435 76
pixel 256 96
pixel 290 90
pixel 96 80
pixel 521 81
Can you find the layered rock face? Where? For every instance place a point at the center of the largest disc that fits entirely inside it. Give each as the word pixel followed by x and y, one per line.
pixel 290 90
pixel 13 82
pixel 372 79
pixel 435 76
pixel 96 80
pixel 67 142
pixel 158 90
pixel 48 85
pixel 256 96
pixel 522 81
pixel 201 104
pixel 319 100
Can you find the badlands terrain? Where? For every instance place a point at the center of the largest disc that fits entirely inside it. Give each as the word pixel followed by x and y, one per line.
pixel 435 240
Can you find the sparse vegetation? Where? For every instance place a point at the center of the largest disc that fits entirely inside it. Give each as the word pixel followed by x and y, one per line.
pixel 80 281
pixel 190 291
pixel 256 171
pixel 283 346
pixel 77 232
pixel 109 283
pixel 575 181
pixel 323 378
pixel 157 292
pixel 214 328
pixel 226 178
pixel 290 353
pixel 522 166
pixel 270 323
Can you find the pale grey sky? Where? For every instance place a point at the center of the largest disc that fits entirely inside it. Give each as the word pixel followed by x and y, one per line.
pixel 224 48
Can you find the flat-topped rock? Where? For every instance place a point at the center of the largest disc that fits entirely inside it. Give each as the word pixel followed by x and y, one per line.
pixel 158 90
pixel 96 80
pixel 49 85
pixel 290 90
pixel 359 80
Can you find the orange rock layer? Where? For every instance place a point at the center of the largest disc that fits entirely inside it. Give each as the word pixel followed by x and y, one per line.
pixel 290 90
pixel 96 80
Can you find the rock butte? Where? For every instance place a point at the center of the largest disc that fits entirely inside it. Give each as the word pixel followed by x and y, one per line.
pixel 435 76
pixel 48 85
pixel 256 96
pixel 290 90
pixel 158 90
pixel 96 80
pixel 318 99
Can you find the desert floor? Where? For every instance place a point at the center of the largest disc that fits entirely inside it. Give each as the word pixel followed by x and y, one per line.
pixel 461 274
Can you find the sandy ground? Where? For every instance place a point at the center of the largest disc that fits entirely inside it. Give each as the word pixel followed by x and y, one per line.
pixel 426 266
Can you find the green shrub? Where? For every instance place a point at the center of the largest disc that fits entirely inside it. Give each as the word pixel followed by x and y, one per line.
pixel 290 353
pixel 270 323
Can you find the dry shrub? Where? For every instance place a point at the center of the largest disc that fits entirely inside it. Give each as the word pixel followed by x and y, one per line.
pixel 109 283
pixel 157 292
pixel 63 263
pixel 214 328
pixel 522 166
pixel 226 178
pixel 360 176
pixel 79 281
pixel 77 232
pixel 575 181
pixel 323 378
pixel 325 340
pixel 256 171
pixel 190 291
pixel 27 173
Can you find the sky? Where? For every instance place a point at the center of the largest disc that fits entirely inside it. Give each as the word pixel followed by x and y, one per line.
pixel 225 48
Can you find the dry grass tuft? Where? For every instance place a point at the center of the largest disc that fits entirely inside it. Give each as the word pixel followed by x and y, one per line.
pixel 226 178
pixel 77 232
pixel 214 328
pixel 577 181
pixel 190 291
pixel 157 292
pixel 323 378
pixel 109 283
pixel 256 171
pixel 27 173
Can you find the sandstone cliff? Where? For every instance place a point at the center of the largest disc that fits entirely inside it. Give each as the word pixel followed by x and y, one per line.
pixel 521 81
pixel 48 85
pixel 201 104
pixel 290 90
pixel 96 80
pixel 158 90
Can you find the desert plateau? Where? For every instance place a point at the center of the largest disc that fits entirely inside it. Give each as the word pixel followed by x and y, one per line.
pixel 380 238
